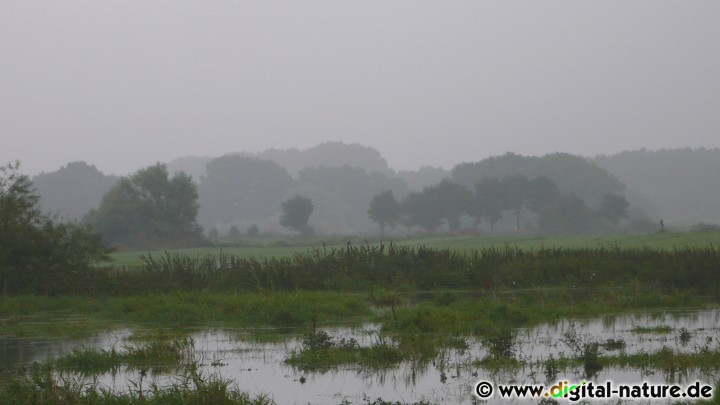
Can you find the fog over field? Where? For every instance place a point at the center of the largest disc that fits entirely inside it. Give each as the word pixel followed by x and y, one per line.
pixel 122 85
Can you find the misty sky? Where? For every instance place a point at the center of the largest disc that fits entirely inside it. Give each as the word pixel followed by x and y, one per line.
pixel 123 84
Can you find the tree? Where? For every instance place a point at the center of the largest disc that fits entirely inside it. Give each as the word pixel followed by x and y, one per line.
pixel 296 213
pixel 541 192
pixel 240 189
pixel 487 202
pixel 149 209
pixel 73 190
pixel 37 254
pixel 613 207
pixel 417 209
pixel 384 210
pixel 515 195
pixel 568 214
pixel 451 200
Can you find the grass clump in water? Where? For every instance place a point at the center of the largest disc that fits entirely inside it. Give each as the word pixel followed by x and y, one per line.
pixel 156 356
pixel 44 384
pixel 320 351
pixel 659 330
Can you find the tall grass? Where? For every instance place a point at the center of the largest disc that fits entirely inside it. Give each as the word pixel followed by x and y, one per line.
pixel 366 267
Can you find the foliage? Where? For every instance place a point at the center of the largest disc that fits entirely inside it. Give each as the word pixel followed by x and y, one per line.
pixel 487 202
pixel 296 213
pixel 444 201
pixel 239 188
pixel 44 384
pixel 613 207
pixel 569 215
pixel 38 254
pixel 571 174
pixel 149 209
pixel 418 209
pixel 73 190
pixel 384 210
pixel 367 267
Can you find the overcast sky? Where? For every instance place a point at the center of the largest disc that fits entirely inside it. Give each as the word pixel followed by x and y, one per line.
pixel 123 84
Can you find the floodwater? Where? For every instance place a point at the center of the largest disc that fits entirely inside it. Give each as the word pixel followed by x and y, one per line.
pixel 258 367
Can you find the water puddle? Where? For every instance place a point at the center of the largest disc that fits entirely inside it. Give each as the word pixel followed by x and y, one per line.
pixel 258 367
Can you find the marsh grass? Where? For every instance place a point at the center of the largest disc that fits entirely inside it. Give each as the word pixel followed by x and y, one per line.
pixel 658 330
pixel 321 351
pixel 156 356
pixel 43 384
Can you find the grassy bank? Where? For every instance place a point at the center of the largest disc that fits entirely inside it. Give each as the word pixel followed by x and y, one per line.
pixel 287 247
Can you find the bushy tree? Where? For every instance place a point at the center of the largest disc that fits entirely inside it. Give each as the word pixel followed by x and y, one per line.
pixel 613 207
pixel 419 210
pixel 237 189
pixel 384 210
pixel 150 209
pixel 446 201
pixel 515 196
pixel 296 213
pixel 38 254
pixel 487 202
pixel 568 215
pixel 541 192
pixel 451 200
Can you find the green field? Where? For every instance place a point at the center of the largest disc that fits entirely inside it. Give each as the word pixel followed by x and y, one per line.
pixel 290 246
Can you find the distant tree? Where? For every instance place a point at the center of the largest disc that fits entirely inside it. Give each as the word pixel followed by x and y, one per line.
pixel 73 190
pixel 213 234
pixel 241 189
pixel 568 215
pixel 253 231
pixel 418 209
pixel 613 207
pixel 487 203
pixel 384 210
pixel 515 195
pixel 341 195
pixel 443 201
pixel 451 200
pixel 38 254
pixel 149 208
pixel 296 213
pixel 572 174
pixel 234 233
pixel 541 192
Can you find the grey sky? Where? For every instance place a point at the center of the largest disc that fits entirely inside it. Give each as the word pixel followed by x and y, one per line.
pixel 122 84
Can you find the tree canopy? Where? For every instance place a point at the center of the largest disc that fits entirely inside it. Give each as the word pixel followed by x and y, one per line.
pixel 38 254
pixel 149 208
pixel 384 210
pixel 296 213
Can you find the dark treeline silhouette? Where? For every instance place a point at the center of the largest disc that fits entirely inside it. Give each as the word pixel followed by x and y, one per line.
pixel 539 200
pixel 555 193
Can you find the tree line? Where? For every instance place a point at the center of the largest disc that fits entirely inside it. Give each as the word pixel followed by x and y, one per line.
pixel 446 203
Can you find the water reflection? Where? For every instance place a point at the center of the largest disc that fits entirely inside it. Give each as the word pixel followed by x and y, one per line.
pixel 257 366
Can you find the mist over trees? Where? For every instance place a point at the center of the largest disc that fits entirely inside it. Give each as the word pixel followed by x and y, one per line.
pixel 681 186
pixel 572 174
pixel 555 193
pixel 384 210
pixel 73 190
pixel 241 190
pixel 149 208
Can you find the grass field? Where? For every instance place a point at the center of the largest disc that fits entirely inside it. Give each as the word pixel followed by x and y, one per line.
pixel 290 246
